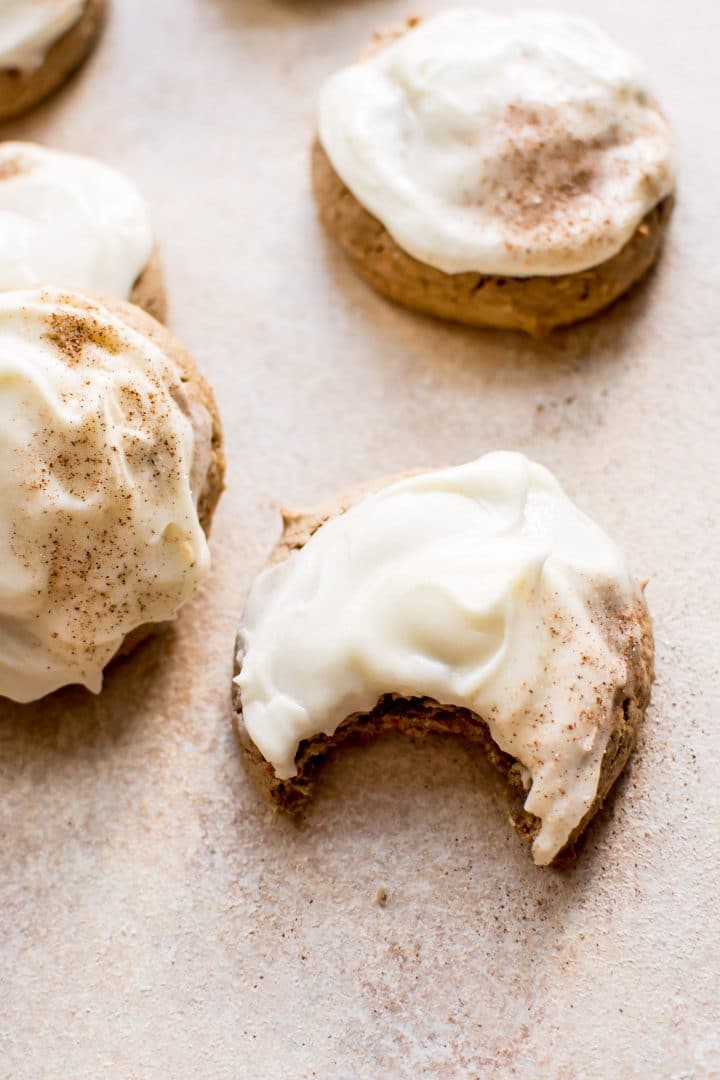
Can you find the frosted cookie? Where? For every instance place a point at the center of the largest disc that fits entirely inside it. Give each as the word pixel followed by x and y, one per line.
pixel 111 465
pixel 477 601
pixel 71 221
pixel 510 171
pixel 42 42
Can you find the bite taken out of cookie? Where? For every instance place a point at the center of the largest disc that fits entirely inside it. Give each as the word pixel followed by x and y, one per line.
pixel 111 466
pixel 476 601
pixel 510 171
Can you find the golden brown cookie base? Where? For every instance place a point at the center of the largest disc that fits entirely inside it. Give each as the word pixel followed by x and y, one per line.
pixel 149 292
pixel 423 716
pixel 198 390
pixel 534 304
pixel 21 91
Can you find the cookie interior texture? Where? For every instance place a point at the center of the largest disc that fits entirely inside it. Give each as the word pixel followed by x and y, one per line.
pixel 423 716
pixel 533 304
pixel 20 91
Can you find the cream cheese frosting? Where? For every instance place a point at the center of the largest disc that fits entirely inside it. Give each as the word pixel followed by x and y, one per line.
pixel 481 586
pixel 29 28
pixel 69 220
pixel 501 144
pixel 99 530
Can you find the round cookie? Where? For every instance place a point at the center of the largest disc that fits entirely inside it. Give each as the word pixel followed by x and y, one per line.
pixel 453 189
pixel 419 715
pixel 21 89
pixel 123 466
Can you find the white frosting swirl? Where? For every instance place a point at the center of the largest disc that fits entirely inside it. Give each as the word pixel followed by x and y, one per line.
pixel 69 220
pixel 99 531
pixel 519 145
pixel 29 28
pixel 480 586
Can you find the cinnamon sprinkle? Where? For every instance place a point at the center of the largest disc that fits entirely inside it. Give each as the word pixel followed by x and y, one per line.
pixel 71 334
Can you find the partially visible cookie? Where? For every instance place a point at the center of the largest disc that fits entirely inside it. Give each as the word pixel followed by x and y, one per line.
pixel 41 45
pixel 476 602
pixel 72 221
pixel 111 466
pixel 509 171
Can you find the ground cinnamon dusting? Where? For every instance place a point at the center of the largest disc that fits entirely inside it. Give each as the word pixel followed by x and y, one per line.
pixel 553 170
pixel 72 333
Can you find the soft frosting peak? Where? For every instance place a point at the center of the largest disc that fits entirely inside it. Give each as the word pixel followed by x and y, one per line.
pixel 28 29
pixel 480 586
pixel 520 145
pixel 69 220
pixel 99 531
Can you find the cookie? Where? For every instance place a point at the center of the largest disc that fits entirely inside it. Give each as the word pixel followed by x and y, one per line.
pixel 41 45
pixel 505 171
pixel 112 464
pixel 72 221
pixel 447 604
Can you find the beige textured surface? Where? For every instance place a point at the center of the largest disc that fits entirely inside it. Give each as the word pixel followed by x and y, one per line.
pixel 156 919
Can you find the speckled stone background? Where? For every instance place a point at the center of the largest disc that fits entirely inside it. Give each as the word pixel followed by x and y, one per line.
pixel 156 919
